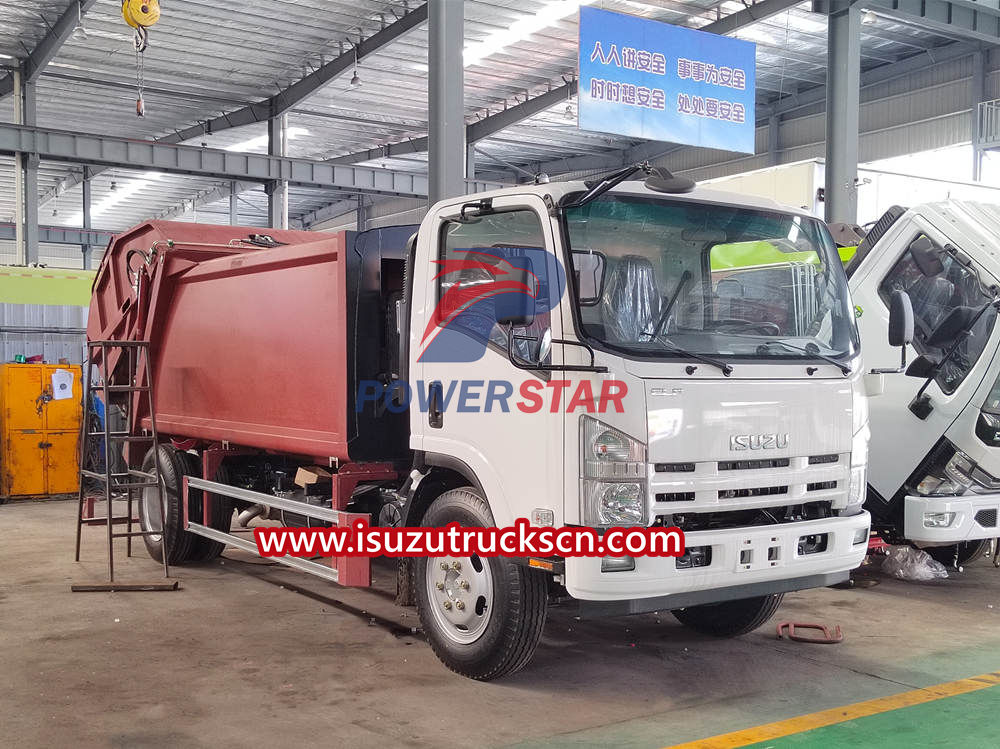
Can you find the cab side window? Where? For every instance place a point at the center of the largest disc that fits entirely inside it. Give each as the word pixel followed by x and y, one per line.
pixel 475 259
pixel 933 297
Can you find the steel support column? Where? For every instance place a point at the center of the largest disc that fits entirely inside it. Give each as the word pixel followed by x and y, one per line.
pixel 88 223
pixel 773 124
pixel 446 135
pixel 977 94
pixel 26 175
pixel 234 205
pixel 843 94
pixel 277 190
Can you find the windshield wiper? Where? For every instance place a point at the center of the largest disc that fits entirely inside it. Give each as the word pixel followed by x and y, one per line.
pixel 674 348
pixel 810 348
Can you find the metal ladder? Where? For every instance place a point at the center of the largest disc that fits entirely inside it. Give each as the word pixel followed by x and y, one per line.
pixel 138 381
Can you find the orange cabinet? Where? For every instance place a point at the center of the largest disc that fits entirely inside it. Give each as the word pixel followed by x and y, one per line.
pixel 39 432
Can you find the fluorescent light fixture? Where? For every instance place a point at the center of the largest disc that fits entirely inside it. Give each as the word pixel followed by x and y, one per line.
pixel 255 144
pixel 520 30
pixel 6 57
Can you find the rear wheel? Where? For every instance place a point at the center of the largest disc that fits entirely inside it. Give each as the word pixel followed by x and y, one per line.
pixel 483 616
pixel 966 551
pixel 730 618
pixel 171 540
pixel 205 549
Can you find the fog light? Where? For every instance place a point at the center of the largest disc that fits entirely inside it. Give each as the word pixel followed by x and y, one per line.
pixel 938 519
pixel 860 536
pixel 617 564
pixel 694 556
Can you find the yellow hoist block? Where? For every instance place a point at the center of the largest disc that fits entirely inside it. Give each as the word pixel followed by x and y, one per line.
pixel 140 13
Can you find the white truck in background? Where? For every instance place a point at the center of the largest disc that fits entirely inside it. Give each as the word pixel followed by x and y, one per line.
pixel 934 468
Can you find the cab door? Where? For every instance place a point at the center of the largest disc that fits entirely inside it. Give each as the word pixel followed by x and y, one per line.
pixel 468 404
pixel 900 439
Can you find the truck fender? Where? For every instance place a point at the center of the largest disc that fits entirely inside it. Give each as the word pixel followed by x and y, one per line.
pixel 434 470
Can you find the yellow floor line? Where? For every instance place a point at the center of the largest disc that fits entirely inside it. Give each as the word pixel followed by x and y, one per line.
pixel 843 714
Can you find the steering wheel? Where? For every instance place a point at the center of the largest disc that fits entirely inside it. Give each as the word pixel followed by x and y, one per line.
pixel 765 328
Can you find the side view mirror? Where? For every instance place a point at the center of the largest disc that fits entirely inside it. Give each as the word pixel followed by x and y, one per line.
pixel 544 346
pixel 956 322
pixel 927 256
pixel 900 319
pixel 515 308
pixel 900 328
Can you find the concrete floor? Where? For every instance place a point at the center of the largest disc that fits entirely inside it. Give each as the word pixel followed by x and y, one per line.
pixel 233 659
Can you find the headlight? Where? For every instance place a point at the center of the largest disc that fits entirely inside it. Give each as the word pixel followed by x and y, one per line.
pixel 612 476
pixel 857 490
pixel 949 478
pixel 948 472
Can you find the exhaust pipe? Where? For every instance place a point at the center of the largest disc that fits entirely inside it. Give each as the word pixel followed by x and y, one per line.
pixel 249 514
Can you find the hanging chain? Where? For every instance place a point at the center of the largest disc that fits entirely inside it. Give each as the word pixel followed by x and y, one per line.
pixel 140 43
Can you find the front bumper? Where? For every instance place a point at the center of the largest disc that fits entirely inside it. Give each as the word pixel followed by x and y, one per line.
pixel 976 517
pixel 773 559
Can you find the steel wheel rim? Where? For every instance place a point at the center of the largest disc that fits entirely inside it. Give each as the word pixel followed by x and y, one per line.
pixel 460 595
pixel 151 510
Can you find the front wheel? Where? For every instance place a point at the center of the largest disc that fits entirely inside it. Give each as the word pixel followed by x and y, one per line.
pixel 730 618
pixel 962 553
pixel 483 616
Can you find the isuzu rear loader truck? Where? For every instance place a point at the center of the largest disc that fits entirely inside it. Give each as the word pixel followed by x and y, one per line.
pixel 425 372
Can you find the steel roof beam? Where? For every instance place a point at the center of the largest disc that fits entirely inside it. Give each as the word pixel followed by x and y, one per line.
pixel 62 235
pixel 302 89
pixel 962 20
pixel 48 47
pixel 284 100
pixel 105 151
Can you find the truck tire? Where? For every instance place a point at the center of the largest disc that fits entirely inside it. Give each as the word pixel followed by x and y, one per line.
pixel 205 549
pixel 483 616
pixel 174 541
pixel 729 618
pixel 967 551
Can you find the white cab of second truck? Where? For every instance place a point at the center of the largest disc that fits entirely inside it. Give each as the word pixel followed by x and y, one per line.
pixel 935 453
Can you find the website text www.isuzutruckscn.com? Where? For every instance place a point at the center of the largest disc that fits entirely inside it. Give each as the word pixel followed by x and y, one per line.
pixel 520 540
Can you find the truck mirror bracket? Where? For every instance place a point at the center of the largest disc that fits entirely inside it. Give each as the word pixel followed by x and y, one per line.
pixel 520 363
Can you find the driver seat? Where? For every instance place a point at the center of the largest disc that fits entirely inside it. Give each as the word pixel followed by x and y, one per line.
pixel 631 303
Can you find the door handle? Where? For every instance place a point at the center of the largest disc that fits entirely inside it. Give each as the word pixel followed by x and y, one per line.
pixel 45 445
pixel 435 416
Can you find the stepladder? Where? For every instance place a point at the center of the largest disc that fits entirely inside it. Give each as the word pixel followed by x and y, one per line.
pixel 111 438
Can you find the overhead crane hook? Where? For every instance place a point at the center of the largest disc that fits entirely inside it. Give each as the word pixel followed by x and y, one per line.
pixel 140 15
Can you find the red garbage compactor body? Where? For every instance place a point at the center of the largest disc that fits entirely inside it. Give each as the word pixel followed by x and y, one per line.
pixel 247 343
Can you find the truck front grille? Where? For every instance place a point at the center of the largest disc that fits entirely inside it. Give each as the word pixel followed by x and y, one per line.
pixel 750 465
pixel 749 482
pixel 759 491
pixel 706 521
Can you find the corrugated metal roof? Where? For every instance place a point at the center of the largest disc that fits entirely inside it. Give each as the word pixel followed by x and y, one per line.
pixel 205 60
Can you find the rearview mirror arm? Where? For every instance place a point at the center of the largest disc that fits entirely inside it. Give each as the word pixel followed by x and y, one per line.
pixel 538 367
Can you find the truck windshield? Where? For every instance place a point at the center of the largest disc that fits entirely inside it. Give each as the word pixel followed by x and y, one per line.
pixel 655 275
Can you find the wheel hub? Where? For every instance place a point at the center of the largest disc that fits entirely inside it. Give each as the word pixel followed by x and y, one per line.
pixel 460 592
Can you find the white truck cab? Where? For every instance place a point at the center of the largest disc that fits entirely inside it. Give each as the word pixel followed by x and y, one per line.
pixel 935 452
pixel 743 419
